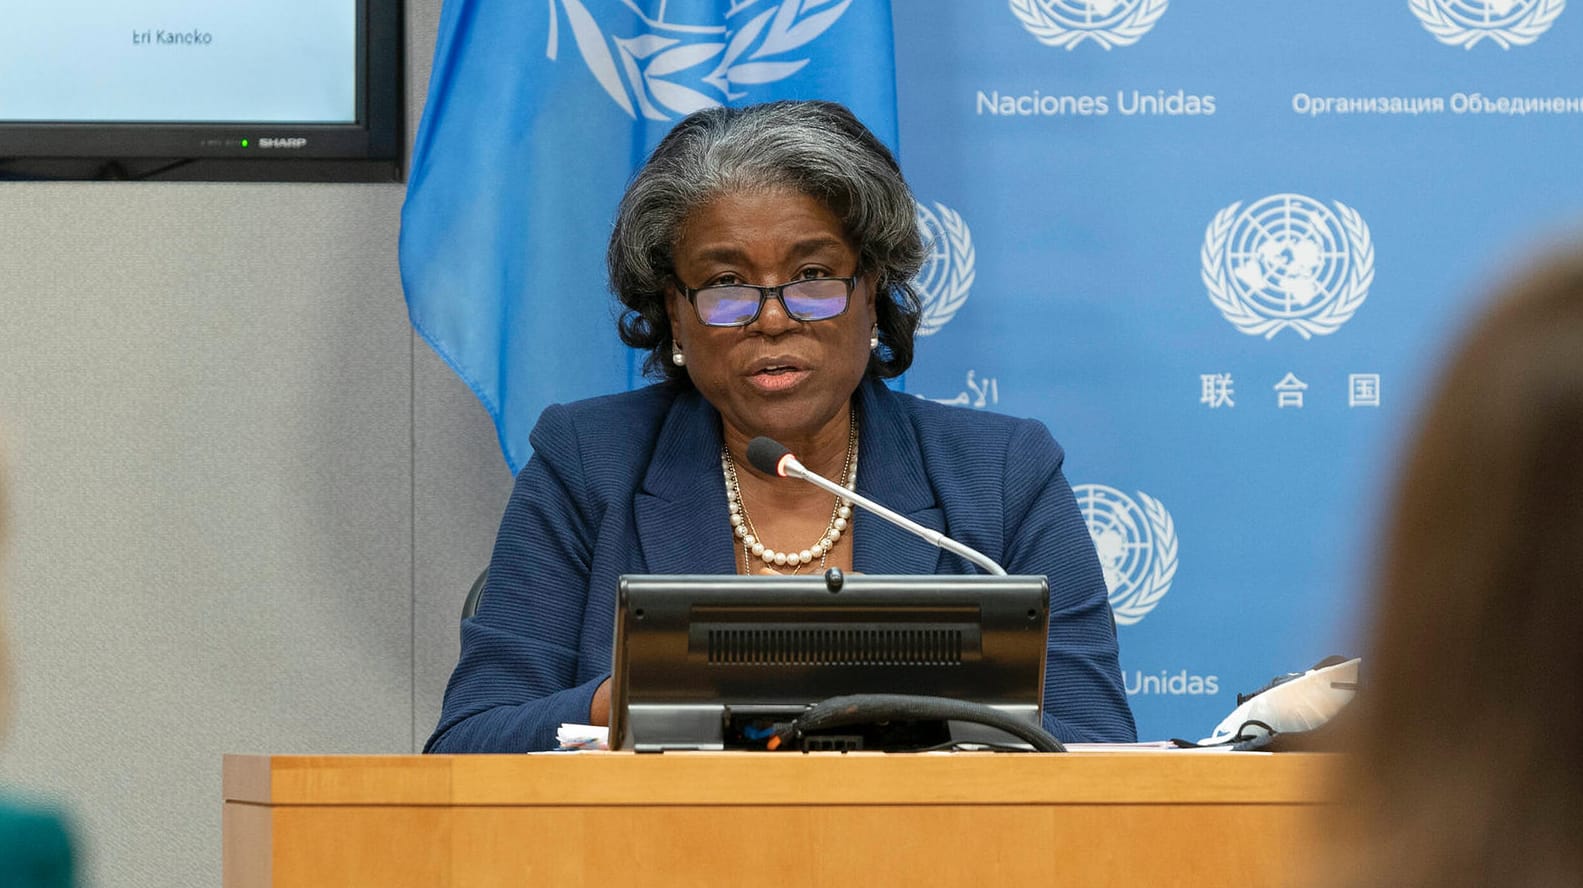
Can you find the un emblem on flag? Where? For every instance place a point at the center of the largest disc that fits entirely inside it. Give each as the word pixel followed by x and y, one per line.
pixel 670 65
pixel 1106 22
pixel 947 273
pixel 1506 23
pixel 1287 261
pixel 1136 543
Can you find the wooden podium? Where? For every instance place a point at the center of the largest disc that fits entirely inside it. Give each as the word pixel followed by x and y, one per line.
pixel 777 819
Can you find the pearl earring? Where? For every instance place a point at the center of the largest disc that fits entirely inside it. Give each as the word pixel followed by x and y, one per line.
pixel 873 340
pixel 677 357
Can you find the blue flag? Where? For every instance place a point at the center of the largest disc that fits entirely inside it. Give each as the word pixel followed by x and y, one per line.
pixel 538 113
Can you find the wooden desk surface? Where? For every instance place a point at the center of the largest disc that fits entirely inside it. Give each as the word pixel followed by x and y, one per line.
pixel 722 818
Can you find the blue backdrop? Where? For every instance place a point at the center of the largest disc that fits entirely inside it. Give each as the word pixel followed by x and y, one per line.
pixel 537 113
pixel 1218 250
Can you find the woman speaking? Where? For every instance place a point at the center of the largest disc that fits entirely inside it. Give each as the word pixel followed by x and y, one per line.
pixel 763 256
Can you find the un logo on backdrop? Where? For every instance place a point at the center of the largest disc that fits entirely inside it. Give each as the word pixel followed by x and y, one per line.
pixel 1136 542
pixel 1106 22
pixel 1287 261
pixel 947 273
pixel 1506 23
pixel 661 71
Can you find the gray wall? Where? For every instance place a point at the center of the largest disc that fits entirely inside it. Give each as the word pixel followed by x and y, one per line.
pixel 246 501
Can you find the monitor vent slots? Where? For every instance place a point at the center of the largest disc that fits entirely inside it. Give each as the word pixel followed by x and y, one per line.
pixel 835 646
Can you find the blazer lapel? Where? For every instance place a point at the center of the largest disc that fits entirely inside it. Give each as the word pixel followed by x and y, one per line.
pixel 680 510
pixel 891 472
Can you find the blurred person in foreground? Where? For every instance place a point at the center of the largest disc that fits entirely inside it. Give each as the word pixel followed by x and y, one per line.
pixel 763 257
pixel 1465 735
pixel 35 847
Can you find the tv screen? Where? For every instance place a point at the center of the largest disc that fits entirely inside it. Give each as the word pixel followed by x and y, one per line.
pixel 201 89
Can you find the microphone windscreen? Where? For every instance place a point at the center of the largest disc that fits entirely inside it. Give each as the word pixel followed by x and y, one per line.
pixel 765 455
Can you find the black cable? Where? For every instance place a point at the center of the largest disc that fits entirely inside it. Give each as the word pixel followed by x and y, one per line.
pixel 75 171
pixel 160 170
pixel 1242 741
pixel 859 709
pixel 1246 742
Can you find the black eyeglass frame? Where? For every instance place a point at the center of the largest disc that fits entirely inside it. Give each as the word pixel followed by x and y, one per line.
pixel 765 293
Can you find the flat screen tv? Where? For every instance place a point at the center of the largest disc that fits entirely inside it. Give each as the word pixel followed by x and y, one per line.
pixel 717 662
pixel 291 90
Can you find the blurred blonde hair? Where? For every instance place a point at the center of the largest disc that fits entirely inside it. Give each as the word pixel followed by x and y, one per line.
pixel 1464 772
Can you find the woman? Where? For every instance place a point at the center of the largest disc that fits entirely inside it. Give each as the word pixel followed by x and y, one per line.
pixel 1466 730
pixel 763 255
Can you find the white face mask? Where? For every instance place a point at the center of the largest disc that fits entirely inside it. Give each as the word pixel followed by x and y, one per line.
pixel 1297 704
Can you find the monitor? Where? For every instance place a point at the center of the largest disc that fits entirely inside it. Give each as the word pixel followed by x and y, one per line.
pixel 290 90
pixel 713 662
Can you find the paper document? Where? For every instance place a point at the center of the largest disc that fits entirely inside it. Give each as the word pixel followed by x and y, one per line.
pixel 1143 746
pixel 582 736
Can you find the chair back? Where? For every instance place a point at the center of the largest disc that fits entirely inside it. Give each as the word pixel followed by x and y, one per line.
pixel 475 595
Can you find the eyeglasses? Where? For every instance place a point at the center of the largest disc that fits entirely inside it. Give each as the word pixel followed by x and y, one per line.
pixel 737 305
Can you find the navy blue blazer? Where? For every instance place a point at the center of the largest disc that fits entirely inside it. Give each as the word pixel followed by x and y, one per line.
pixel 631 483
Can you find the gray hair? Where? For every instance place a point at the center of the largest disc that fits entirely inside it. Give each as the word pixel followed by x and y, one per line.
pixel 817 148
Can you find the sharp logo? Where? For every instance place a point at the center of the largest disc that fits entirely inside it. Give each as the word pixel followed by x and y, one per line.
pixel 283 143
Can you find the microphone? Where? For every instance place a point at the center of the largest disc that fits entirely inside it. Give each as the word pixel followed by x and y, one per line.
pixel 772 458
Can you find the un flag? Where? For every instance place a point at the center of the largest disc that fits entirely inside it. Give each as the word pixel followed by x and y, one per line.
pixel 537 115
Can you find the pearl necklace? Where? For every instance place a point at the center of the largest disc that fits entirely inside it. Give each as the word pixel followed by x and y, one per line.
pixel 742 525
